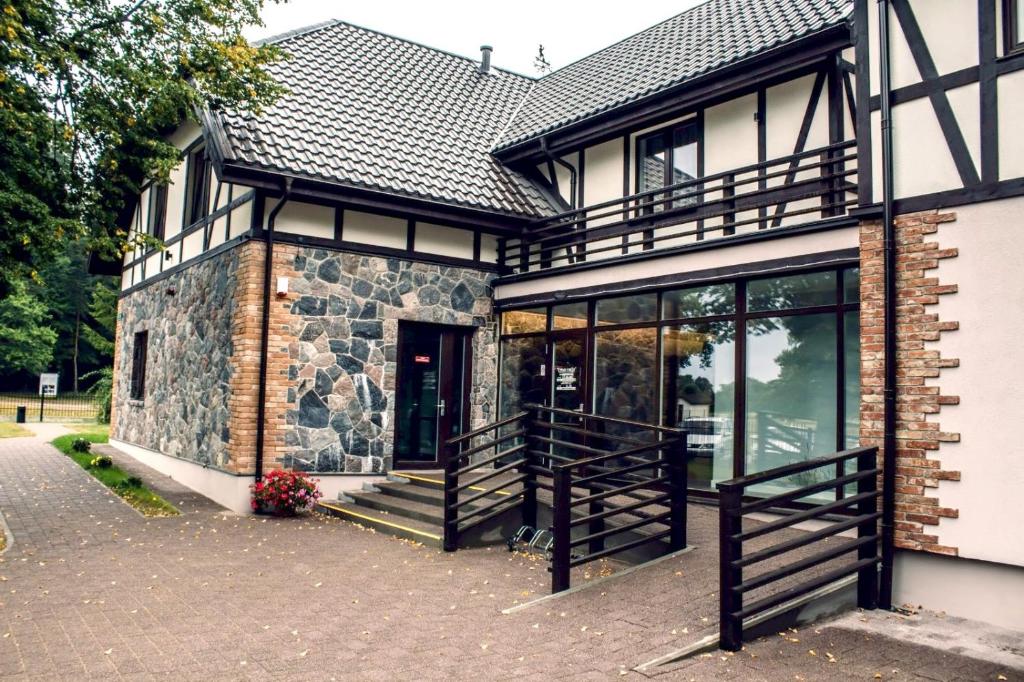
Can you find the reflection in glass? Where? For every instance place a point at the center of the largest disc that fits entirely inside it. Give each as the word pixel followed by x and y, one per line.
pixel 795 291
pixel 627 309
pixel 791 394
pixel 698 393
pixel 522 377
pixel 523 321
pixel 626 374
pixel 851 365
pixel 851 285
pixel 684 164
pixel 714 299
pixel 569 316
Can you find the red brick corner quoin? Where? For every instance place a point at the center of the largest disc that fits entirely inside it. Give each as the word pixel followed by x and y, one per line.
pixel 918 437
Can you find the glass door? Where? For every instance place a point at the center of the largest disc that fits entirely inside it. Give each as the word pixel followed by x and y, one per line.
pixel 431 394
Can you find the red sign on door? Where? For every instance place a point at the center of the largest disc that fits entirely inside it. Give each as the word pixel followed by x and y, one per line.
pixel 421 359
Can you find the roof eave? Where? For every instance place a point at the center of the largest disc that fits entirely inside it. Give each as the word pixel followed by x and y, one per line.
pixel 705 87
pixel 362 197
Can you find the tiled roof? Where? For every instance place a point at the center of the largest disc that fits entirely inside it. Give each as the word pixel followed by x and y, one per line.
pixel 707 37
pixel 371 111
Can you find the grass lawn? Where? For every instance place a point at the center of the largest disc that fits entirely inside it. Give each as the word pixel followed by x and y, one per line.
pixel 122 483
pixel 12 430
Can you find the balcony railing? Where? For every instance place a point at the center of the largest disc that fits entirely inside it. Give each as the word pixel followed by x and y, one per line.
pixel 809 187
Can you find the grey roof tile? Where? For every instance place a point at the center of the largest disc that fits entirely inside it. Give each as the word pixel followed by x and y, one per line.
pixel 372 111
pixel 707 37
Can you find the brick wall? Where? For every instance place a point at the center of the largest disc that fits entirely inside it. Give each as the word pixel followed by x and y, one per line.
pixel 919 399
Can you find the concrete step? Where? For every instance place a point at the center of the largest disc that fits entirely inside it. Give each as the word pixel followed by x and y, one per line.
pixel 427 512
pixel 400 526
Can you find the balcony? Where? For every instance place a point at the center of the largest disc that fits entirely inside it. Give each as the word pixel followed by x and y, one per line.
pixel 811 188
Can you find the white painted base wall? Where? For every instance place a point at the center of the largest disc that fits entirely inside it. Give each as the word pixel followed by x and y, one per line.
pixel 978 590
pixel 227 490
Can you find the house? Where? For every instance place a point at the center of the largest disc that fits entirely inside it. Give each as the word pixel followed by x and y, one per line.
pixel 411 244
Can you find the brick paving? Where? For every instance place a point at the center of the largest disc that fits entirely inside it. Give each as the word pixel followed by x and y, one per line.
pixel 92 589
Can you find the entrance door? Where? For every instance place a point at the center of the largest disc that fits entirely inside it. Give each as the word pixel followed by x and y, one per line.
pixel 568 370
pixel 432 391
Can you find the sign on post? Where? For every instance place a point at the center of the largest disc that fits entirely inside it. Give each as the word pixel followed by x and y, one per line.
pixel 48 385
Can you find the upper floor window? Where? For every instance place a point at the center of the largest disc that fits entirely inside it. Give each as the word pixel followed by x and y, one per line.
pixel 1013 21
pixel 157 220
pixel 665 158
pixel 197 195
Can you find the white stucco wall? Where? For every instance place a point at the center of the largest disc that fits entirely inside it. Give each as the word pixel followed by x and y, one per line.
pixel 990 455
pixel 310 220
pixel 369 228
pixel 442 240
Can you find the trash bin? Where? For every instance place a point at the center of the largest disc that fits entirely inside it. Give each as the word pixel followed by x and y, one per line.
pixel 20 414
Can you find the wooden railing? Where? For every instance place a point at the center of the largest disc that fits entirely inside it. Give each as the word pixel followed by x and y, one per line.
pixel 609 479
pixel 863 515
pixel 813 185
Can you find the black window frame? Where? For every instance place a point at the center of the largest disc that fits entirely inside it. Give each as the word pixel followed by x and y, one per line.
pixel 140 352
pixel 156 220
pixel 197 189
pixel 1013 32
pixel 695 129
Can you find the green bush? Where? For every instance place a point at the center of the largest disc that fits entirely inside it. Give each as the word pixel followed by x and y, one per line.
pixel 101 462
pixel 133 482
pixel 81 445
pixel 103 391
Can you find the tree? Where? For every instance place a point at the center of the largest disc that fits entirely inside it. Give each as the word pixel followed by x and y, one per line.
pixel 88 90
pixel 27 341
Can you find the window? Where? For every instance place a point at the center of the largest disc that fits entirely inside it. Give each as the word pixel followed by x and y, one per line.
pixel 138 385
pixel 1013 25
pixel 157 211
pixel 668 157
pixel 197 198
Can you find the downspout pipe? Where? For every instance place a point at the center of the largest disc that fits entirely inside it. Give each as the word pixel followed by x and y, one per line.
pixel 889 388
pixel 268 261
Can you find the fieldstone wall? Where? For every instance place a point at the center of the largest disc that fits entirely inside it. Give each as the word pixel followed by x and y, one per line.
pixel 184 411
pixel 345 312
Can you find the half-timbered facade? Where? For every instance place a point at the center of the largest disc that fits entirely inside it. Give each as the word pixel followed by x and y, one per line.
pixel 696 227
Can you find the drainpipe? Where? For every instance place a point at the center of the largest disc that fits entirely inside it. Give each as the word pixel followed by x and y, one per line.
pixel 261 416
pixel 889 237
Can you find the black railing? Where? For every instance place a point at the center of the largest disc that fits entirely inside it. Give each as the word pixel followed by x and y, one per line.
pixel 608 479
pixel 862 515
pixel 813 185
pixel 64 407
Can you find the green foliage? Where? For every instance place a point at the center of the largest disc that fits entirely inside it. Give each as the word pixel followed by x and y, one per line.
pixel 103 389
pixel 138 496
pixel 88 90
pixel 98 462
pixel 25 338
pixel 81 445
pixel 103 309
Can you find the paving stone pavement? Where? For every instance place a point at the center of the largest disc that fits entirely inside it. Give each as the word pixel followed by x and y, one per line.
pixel 91 589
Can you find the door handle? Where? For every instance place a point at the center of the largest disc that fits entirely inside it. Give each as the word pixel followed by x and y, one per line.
pixel 440 408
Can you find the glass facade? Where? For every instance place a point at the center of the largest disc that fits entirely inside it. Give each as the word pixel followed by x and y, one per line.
pixel 761 372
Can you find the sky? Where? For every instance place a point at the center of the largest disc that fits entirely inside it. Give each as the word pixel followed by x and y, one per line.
pixel 568 30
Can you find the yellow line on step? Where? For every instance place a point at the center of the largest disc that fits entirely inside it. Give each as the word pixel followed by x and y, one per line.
pixel 380 521
pixel 441 483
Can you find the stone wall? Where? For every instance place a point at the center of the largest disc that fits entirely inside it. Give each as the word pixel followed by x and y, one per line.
pixel 345 309
pixel 184 411
pixel 919 368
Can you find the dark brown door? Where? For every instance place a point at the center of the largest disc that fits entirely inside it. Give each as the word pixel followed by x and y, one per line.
pixel 432 396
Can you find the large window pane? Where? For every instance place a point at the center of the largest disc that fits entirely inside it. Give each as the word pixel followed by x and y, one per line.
pixel 715 299
pixel 626 374
pixel 627 309
pixel 521 372
pixel 699 392
pixel 795 291
pixel 684 164
pixel 791 395
pixel 569 316
pixel 851 366
pixel 523 321
pixel 851 285
pixel 652 161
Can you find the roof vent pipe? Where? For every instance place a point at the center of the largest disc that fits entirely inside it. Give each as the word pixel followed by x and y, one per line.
pixel 485 58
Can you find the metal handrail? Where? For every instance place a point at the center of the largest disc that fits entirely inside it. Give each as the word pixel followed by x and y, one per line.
pixel 733 561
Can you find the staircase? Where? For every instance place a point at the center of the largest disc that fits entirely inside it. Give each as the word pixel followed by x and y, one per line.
pixel 408 505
